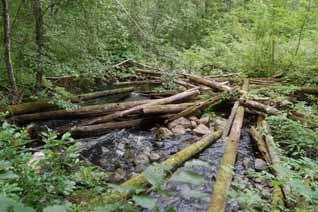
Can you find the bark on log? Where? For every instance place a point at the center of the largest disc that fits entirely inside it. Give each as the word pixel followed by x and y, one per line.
pixel 38 106
pixel 136 83
pixel 185 84
pixel 209 83
pixel 140 108
pixel 172 163
pixel 224 174
pixel 259 106
pixel 172 108
pixel 98 94
pixel 275 158
pixel 198 106
pixel 309 90
pixel 99 129
pixel 83 112
pixel 29 107
pixel 263 149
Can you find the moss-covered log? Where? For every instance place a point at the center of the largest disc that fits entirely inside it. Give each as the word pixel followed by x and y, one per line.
pixel 136 83
pixel 209 83
pixel 98 94
pixel 172 163
pixel 309 90
pixel 99 129
pixel 172 108
pixel 225 171
pixel 29 107
pixel 198 106
pixel 259 106
pixel 83 112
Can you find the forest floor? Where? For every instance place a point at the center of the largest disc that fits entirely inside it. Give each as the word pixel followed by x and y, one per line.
pixel 189 147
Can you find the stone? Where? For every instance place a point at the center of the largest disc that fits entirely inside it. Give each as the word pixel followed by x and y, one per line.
pixel 34 161
pixel 219 123
pixel 185 123
pixel 260 165
pixel 202 130
pixel 141 159
pixel 178 130
pixel 154 156
pixel 162 133
pixel 204 120
pixel 194 124
pixel 194 118
pixel 247 163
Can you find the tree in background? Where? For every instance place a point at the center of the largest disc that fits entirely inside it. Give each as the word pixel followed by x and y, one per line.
pixel 39 34
pixel 7 47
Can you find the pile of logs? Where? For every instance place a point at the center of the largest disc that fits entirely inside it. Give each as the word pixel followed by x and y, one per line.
pixel 191 95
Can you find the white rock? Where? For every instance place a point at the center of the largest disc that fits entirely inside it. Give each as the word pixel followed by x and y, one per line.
pixel 36 158
pixel 185 123
pixel 204 120
pixel 194 118
pixel 194 124
pixel 178 130
pixel 219 123
pixel 260 164
pixel 202 130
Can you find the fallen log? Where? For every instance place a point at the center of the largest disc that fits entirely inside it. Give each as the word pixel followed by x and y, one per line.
pixel 209 83
pixel 100 129
pixel 157 94
pixel 38 106
pixel 98 94
pixel 136 83
pixel 263 149
pixel 259 106
pixel 172 108
pixel 309 90
pixel 171 163
pixel 83 112
pixel 229 122
pixel 275 158
pixel 185 84
pixel 198 106
pixel 29 107
pixel 140 108
pixel 225 171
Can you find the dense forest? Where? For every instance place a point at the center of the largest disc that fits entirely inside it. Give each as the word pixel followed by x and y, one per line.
pixel 159 105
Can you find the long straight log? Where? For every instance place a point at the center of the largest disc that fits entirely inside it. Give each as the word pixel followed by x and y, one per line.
pixel 140 108
pixel 263 149
pixel 171 163
pixel 199 106
pixel 209 83
pixel 275 157
pixel 83 112
pixel 259 106
pixel 136 83
pixel 99 129
pixel 38 106
pixel 98 94
pixel 172 108
pixel 225 171
pixel 309 90
pixel 29 107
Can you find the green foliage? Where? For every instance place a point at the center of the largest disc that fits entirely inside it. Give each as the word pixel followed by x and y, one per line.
pixel 293 137
pixel 48 180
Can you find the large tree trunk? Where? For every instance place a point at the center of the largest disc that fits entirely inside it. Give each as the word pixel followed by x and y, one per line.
pixel 39 37
pixel 7 46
